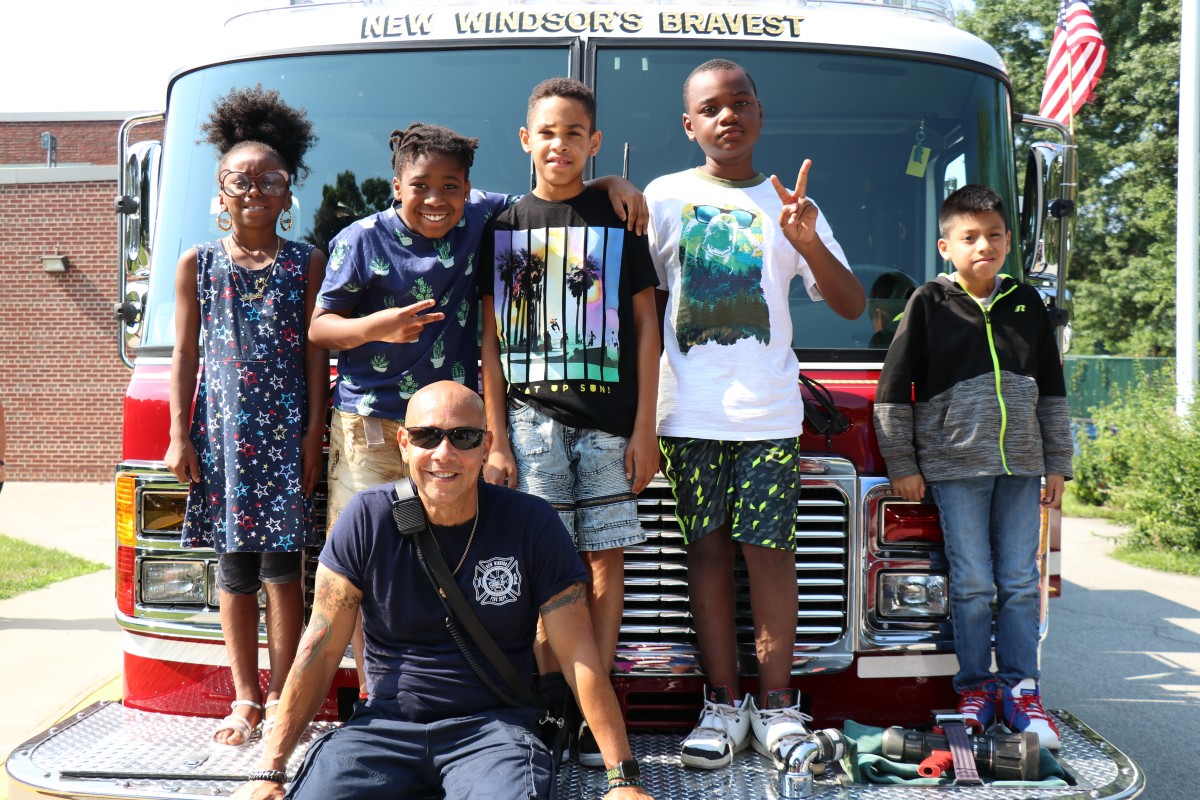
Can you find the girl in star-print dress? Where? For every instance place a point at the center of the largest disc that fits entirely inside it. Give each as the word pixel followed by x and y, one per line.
pixel 251 449
pixel 250 407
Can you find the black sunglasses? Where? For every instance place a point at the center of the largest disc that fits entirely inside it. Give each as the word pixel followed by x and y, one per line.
pixel 427 438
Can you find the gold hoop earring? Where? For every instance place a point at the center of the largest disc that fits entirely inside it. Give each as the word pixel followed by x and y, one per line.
pixel 225 220
pixel 285 220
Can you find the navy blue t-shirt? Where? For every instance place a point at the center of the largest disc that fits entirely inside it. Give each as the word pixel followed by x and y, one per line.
pixel 521 557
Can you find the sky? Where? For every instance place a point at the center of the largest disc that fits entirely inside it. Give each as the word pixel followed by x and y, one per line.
pixel 102 55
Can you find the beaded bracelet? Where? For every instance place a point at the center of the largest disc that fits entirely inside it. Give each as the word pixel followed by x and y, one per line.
pixel 625 782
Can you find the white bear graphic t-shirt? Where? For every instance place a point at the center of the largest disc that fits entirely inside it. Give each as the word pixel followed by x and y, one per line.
pixel 728 371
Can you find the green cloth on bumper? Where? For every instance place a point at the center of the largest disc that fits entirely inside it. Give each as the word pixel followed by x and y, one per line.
pixel 864 763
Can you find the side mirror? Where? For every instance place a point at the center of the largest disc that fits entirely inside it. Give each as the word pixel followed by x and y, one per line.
pixel 1046 210
pixel 136 206
pixel 1048 218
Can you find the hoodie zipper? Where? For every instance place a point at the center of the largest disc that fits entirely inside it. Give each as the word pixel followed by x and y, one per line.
pixel 987 323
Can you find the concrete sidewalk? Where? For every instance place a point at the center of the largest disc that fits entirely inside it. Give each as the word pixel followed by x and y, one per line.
pixel 61 643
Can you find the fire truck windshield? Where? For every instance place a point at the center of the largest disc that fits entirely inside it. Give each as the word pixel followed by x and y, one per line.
pixel 889 137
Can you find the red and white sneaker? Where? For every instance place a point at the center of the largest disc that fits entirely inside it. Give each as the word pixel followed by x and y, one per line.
pixel 979 706
pixel 1022 708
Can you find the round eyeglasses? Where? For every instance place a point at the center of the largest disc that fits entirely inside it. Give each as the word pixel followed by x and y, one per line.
pixel 272 183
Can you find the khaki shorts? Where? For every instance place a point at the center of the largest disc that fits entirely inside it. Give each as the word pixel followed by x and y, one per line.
pixel 363 452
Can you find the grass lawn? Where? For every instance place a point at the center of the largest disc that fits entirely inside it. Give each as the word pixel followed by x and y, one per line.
pixel 1180 562
pixel 29 566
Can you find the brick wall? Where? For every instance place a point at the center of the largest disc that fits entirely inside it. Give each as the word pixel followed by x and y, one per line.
pixel 78 142
pixel 61 379
pixel 87 142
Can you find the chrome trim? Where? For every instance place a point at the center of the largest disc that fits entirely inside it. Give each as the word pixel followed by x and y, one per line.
pixel 656 635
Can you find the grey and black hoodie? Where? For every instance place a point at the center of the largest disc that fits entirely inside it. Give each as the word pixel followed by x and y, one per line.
pixel 988 386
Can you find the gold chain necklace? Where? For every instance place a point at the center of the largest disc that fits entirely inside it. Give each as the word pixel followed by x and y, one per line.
pixel 263 276
pixel 467 549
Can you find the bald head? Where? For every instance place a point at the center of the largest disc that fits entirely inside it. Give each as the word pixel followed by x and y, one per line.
pixel 452 403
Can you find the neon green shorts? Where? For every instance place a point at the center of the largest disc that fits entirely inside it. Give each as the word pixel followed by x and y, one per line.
pixel 754 486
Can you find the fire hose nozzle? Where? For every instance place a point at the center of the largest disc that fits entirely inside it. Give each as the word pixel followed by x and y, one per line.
pixel 1004 756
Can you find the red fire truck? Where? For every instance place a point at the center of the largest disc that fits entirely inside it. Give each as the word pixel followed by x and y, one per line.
pixel 895 106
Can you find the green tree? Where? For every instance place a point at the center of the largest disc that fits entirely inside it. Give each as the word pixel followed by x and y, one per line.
pixel 1123 267
pixel 343 202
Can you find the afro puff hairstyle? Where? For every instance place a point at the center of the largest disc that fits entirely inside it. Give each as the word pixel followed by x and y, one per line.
pixel 256 117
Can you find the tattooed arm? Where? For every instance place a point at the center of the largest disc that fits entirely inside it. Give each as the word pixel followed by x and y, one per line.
pixel 569 629
pixel 335 609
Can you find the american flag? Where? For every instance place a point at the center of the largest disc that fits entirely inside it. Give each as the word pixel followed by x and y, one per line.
pixel 1077 57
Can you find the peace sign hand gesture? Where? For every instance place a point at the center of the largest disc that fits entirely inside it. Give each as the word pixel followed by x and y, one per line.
pixel 798 217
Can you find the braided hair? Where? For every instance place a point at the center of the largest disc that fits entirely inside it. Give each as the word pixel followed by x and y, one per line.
pixel 421 138
pixel 257 118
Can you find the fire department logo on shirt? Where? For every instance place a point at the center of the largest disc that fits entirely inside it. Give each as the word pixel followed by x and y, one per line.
pixel 497 581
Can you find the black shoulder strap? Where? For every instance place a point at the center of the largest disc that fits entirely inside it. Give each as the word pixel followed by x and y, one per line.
pixel 459 609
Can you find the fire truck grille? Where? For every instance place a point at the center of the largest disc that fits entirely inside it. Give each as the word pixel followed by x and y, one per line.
pixel 656 593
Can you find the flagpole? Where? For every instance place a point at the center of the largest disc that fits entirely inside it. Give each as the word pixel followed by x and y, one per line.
pixel 1187 222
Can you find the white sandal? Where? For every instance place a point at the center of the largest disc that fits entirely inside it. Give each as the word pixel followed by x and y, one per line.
pixel 268 724
pixel 238 724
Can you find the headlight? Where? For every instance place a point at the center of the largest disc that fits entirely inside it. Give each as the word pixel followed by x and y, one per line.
pixel 171 582
pixel 912 594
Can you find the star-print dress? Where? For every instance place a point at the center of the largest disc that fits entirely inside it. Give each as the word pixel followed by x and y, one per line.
pixel 251 406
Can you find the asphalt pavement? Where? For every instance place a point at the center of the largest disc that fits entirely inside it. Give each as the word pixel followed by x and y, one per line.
pixel 63 647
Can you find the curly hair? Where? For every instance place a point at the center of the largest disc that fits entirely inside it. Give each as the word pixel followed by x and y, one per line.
pixel 567 89
pixel 256 117
pixel 421 138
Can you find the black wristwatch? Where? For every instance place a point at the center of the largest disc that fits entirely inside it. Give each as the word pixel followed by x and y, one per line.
pixel 273 775
pixel 625 771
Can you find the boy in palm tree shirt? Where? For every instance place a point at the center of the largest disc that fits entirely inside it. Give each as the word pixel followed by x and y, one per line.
pixel 570 354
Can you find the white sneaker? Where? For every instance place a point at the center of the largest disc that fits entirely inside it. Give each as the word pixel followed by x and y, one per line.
pixel 780 718
pixel 723 730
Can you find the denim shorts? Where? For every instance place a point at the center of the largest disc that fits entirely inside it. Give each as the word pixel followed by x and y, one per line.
pixel 363 453
pixel 581 473
pixel 245 573
pixel 753 485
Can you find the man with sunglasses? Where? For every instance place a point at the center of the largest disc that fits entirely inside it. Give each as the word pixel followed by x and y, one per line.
pixel 430 724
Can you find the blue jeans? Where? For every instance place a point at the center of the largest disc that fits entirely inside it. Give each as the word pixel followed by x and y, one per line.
pixel 992 527
pixel 494 755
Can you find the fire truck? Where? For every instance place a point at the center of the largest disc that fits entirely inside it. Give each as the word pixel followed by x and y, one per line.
pixel 895 106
